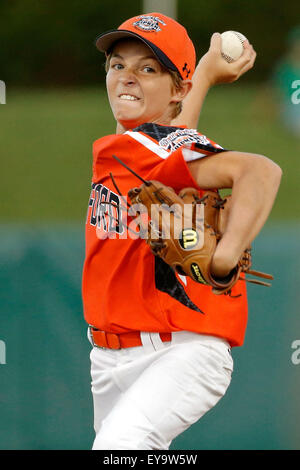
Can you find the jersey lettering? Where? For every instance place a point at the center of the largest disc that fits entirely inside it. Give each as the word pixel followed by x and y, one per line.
pixel 104 209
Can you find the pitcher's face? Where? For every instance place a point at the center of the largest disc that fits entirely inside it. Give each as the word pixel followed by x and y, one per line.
pixel 139 89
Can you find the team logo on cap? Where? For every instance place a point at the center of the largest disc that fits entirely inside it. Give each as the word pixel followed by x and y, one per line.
pixel 149 23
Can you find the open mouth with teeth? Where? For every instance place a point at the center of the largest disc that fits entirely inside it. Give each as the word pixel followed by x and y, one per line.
pixel 128 97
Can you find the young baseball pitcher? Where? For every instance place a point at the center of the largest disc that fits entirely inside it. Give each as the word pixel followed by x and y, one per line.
pixel 161 355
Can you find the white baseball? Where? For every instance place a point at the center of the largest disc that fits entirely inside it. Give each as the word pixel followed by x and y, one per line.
pixel 232 45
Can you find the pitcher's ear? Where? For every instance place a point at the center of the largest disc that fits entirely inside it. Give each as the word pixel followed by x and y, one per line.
pixel 181 91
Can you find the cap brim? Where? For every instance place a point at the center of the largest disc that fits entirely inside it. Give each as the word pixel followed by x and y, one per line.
pixel 105 41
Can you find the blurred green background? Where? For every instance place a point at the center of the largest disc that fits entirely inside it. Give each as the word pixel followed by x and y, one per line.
pixel 56 106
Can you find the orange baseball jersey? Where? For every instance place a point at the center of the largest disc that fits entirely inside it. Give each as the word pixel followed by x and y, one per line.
pixel 125 287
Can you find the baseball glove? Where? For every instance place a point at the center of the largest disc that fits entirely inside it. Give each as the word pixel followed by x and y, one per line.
pixel 184 230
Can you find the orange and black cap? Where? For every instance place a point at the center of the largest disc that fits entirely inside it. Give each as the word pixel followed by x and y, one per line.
pixel 167 39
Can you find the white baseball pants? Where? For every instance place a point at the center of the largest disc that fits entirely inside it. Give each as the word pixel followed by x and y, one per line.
pixel 147 395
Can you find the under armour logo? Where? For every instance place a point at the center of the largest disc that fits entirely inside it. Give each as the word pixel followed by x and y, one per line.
pixel 185 69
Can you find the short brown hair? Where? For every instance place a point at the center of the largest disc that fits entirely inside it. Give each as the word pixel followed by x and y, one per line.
pixel 176 78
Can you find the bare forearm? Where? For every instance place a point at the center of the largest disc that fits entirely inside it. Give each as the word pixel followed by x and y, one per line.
pixel 253 196
pixel 193 102
pixel 211 70
pixel 254 180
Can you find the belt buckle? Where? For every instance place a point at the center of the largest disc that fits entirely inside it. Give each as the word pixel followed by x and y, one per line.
pixel 92 338
pixel 112 343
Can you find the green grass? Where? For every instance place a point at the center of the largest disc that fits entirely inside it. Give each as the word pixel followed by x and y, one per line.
pixel 46 147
